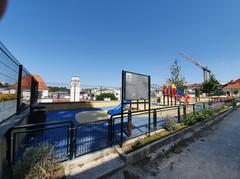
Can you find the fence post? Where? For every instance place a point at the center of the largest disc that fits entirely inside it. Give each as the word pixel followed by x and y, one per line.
pixel 179 115
pixel 129 123
pixel 72 141
pixel 111 119
pixel 137 106
pixel 110 131
pixel 164 100
pixel 19 88
pixel 155 119
pixel 184 111
pixel 204 106
pixel 145 105
pixel 168 100
pixel 194 108
pixel 113 130
pixel 34 89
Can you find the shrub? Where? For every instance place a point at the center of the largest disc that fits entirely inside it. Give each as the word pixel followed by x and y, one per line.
pixel 7 97
pixel 234 102
pixel 199 116
pixel 170 124
pixel 137 144
pixel 101 97
pixel 37 162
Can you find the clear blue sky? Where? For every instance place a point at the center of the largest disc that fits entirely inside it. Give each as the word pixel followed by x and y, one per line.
pixel 97 39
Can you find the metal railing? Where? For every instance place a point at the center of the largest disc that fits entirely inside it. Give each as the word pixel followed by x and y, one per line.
pixel 71 140
pixel 18 88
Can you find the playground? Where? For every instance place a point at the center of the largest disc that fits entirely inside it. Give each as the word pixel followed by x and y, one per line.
pixel 75 132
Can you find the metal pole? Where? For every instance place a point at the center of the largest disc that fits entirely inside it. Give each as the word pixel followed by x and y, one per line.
pixel 122 101
pixel 184 111
pixel 175 98
pixel 155 119
pixel 144 104
pixel 137 106
pixel 33 92
pixel 179 115
pixel 149 104
pixel 164 100
pixel 194 108
pixel 168 99
pixel 109 131
pixel 19 89
pixel 72 138
pixel 129 123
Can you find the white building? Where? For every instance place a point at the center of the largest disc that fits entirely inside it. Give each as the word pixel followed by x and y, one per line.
pixel 116 92
pixel 75 89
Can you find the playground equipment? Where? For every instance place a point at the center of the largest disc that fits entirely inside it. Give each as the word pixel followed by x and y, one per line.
pixel 117 109
pixel 206 71
pixel 173 92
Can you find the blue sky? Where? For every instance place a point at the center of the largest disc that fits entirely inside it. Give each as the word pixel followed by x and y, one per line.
pixel 97 39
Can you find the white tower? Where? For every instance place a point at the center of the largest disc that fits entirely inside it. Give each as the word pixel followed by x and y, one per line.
pixel 75 89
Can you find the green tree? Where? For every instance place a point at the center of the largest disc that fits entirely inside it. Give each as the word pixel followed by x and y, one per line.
pixel 176 76
pixel 55 88
pixel 1 85
pixel 101 97
pixel 210 85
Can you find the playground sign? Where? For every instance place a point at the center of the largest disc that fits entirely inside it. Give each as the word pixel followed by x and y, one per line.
pixel 136 86
pixel 136 89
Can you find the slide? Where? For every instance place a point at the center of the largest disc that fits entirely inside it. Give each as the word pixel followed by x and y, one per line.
pixel 117 109
pixel 181 94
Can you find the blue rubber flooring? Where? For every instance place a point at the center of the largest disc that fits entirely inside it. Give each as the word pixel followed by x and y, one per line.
pixel 88 137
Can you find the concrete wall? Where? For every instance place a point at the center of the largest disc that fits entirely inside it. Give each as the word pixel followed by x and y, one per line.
pixel 7 109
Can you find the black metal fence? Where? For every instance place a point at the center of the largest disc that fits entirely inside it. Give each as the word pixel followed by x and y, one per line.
pixel 18 88
pixel 71 140
pixel 57 134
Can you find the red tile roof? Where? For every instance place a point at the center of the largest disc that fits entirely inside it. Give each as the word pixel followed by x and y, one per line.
pixel 26 83
pixel 41 84
pixel 233 85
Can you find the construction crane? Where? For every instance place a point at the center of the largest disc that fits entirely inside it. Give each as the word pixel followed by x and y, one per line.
pixel 206 71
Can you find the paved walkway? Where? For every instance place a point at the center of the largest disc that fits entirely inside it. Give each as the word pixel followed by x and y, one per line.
pixel 215 153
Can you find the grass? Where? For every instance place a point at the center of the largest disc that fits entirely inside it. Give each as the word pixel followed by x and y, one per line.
pixel 171 127
pixel 152 138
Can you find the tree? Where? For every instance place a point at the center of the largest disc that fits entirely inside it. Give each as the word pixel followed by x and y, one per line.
pixel 1 85
pixel 55 88
pixel 176 77
pixel 210 85
pixel 101 97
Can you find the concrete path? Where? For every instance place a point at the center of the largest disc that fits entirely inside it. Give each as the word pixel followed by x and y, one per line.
pixel 215 153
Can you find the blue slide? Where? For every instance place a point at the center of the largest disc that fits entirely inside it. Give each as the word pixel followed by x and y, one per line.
pixel 180 93
pixel 117 109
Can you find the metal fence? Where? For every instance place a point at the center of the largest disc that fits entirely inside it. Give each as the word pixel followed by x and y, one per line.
pixel 18 88
pixel 71 140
